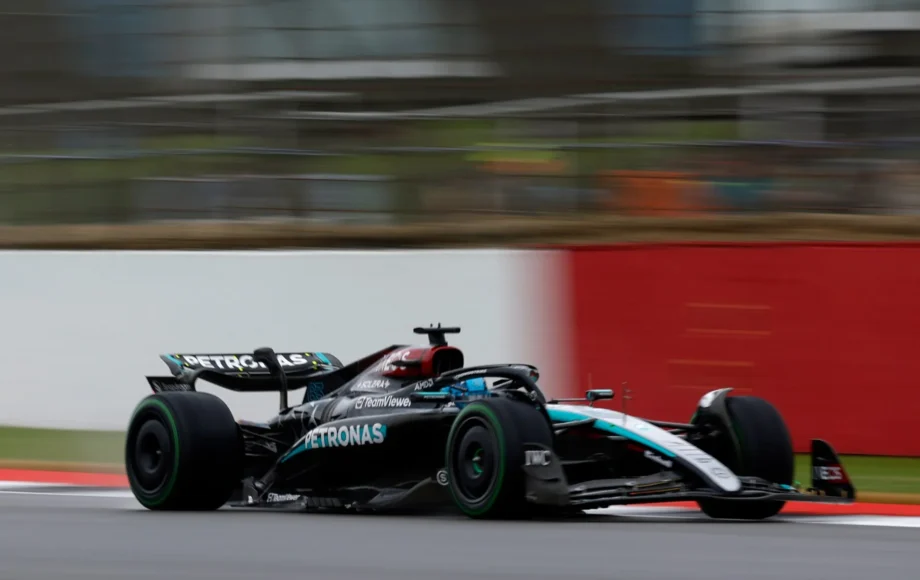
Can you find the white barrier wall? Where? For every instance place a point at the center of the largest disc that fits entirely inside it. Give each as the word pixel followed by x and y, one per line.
pixel 81 329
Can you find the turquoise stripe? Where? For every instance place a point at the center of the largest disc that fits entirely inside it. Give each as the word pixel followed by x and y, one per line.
pixel 295 451
pixel 561 416
pixel 323 358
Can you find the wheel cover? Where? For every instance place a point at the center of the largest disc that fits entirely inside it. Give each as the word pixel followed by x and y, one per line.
pixel 151 456
pixel 475 458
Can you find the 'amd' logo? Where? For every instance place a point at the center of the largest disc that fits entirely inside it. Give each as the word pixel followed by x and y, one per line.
pixel 536 457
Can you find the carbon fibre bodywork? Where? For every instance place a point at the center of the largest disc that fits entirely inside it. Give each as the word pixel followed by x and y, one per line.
pixel 372 434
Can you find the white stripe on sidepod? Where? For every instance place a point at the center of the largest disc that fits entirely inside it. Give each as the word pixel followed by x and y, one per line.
pixel 713 469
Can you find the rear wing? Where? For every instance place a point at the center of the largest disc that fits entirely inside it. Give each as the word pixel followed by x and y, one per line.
pixel 247 363
pixel 262 371
pixel 241 372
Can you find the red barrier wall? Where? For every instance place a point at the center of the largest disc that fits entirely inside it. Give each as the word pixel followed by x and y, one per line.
pixel 828 333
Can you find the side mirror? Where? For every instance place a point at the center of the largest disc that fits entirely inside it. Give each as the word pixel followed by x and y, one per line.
pixel 598 394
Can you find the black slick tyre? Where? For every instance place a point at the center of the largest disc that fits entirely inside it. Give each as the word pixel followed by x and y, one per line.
pixel 183 451
pixel 764 449
pixel 485 455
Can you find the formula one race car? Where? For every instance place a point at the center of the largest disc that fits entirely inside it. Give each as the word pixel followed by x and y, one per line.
pixel 411 427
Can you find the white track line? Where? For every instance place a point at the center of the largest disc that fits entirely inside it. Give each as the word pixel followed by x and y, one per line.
pixel 874 521
pixel 650 512
pixel 25 484
pixel 97 494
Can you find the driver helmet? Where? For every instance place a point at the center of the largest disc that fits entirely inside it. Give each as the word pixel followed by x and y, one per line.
pixel 469 388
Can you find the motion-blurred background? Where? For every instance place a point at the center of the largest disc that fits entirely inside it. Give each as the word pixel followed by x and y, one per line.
pixel 377 116
pixel 115 111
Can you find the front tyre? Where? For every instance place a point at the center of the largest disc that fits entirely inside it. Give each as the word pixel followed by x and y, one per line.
pixel 764 449
pixel 485 456
pixel 183 451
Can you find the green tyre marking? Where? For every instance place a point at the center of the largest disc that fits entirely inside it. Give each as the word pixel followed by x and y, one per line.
pixel 160 498
pixel 500 480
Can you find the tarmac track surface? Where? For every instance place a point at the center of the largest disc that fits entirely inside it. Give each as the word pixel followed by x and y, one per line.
pixel 110 537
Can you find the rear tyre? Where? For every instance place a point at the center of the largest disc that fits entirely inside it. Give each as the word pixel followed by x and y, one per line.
pixel 183 451
pixel 485 456
pixel 764 450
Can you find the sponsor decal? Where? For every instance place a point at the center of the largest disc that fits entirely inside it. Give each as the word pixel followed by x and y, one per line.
pixel 234 362
pixel 387 363
pixel 831 473
pixel 384 402
pixel 282 497
pixel 538 457
pixel 346 436
pixel 700 457
pixel 658 459
pixel 442 477
pixel 422 385
pixel 691 451
pixel 373 385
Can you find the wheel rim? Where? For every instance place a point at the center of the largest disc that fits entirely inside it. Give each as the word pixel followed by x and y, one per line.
pixel 151 458
pixel 475 467
pixel 477 462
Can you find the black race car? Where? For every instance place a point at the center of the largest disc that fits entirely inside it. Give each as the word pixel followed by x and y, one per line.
pixel 411 427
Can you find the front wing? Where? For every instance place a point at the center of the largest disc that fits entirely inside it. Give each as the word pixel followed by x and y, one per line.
pixel 547 484
pixel 602 493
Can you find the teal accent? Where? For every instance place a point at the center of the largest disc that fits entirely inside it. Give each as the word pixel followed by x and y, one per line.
pixel 476 466
pixel 297 450
pixel 323 358
pixel 354 435
pixel 561 416
pixel 174 359
pixel 315 390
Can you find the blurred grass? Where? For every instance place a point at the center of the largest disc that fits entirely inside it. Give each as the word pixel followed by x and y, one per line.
pixel 71 449
pixel 61 446
pixel 461 230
